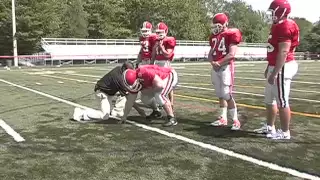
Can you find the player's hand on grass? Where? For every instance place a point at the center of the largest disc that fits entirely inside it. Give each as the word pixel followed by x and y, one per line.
pixel 123 120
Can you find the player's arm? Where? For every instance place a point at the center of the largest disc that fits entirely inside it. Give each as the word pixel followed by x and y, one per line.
pixel 210 57
pixel 154 53
pixel 230 56
pixel 284 48
pixel 167 53
pixel 139 58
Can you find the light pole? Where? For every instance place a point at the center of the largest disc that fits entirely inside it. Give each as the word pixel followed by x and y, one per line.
pixel 15 48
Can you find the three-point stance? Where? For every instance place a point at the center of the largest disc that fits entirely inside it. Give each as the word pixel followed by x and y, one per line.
pixel 155 83
pixel 105 89
pixel 224 43
pixel 282 67
pixel 147 41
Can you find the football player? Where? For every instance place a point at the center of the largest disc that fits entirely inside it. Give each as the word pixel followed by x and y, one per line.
pixel 105 89
pixel 163 50
pixel 155 83
pixel 147 40
pixel 282 67
pixel 224 43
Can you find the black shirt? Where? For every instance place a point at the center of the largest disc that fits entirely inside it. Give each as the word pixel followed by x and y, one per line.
pixel 112 82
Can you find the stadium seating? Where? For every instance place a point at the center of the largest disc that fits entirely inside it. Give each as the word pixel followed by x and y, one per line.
pixel 92 50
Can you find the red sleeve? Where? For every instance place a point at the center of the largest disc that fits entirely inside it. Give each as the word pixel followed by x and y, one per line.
pixel 152 39
pixel 171 43
pixel 284 33
pixel 236 37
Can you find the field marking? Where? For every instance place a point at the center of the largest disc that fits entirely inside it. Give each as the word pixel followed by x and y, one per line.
pixel 192 87
pixel 188 140
pixel 247 93
pixel 245 105
pixel 197 98
pixel 250 71
pixel 256 79
pixel 255 87
pixel 16 136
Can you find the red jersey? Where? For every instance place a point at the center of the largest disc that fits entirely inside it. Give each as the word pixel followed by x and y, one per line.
pixel 168 43
pixel 148 72
pixel 220 43
pixel 147 44
pixel 284 31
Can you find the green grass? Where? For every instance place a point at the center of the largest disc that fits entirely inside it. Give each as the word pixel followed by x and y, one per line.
pixel 57 148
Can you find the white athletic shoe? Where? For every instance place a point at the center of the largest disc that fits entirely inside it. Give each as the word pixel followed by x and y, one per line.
pixel 236 125
pixel 219 122
pixel 265 129
pixel 77 114
pixel 281 135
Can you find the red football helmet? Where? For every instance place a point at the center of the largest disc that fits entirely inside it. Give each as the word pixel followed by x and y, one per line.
pixel 131 81
pixel 162 30
pixel 219 22
pixel 279 9
pixel 146 29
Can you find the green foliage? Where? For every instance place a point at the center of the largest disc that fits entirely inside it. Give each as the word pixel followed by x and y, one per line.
pixel 186 19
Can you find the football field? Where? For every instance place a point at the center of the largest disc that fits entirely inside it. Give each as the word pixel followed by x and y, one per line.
pixel 39 141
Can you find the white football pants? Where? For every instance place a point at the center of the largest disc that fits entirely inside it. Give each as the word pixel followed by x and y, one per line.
pixel 223 81
pixel 278 93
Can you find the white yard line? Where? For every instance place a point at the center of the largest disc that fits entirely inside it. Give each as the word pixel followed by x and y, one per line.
pixel 16 136
pixel 252 94
pixel 194 87
pixel 254 87
pixel 188 140
pixel 256 79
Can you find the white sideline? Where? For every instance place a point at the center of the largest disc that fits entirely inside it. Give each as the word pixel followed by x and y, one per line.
pixel 188 140
pixel 16 136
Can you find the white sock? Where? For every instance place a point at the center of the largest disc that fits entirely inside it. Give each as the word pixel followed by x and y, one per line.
pixel 223 111
pixel 234 114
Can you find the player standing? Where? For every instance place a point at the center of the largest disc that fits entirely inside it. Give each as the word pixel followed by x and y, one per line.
pixel 105 89
pixel 224 43
pixel 147 40
pixel 163 50
pixel 159 81
pixel 282 67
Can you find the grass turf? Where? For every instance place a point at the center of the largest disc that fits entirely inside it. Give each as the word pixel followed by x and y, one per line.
pixel 57 148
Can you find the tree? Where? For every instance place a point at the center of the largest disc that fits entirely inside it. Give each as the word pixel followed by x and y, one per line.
pixel 5 28
pixel 74 20
pixel 305 27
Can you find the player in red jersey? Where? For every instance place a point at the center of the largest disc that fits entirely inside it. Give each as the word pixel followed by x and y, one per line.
pixel 155 83
pixel 282 67
pixel 163 50
pixel 224 42
pixel 147 40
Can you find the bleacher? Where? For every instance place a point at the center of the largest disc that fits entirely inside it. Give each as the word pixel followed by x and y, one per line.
pixel 83 51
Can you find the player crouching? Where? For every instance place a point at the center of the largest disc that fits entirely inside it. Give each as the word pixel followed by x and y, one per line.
pixel 224 43
pixel 154 83
pixel 105 89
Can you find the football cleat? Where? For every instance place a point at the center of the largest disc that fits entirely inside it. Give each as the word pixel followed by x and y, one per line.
pixel 219 122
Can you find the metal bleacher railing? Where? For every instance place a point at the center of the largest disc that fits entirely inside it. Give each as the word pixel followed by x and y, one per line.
pixel 74 41
pixel 56 51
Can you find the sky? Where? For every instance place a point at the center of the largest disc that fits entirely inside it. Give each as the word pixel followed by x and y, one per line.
pixel 308 9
